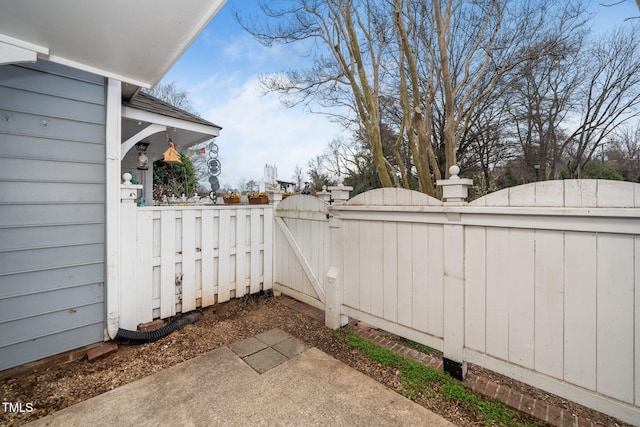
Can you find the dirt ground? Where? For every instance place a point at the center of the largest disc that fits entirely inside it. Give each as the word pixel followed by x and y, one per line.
pixel 56 388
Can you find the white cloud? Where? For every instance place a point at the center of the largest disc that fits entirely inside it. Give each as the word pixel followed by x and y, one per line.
pixel 245 49
pixel 258 131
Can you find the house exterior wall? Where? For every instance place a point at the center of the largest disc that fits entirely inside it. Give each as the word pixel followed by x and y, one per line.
pixel 52 210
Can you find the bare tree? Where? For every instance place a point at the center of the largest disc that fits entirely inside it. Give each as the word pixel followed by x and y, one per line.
pixel 298 177
pixel 242 184
pixel 439 58
pixel 350 38
pixel 540 96
pixel 318 173
pixel 172 94
pixel 486 143
pixel 610 95
pixel 469 49
pixel 624 151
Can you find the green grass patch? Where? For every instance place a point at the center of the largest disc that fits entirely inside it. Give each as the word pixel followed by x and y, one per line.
pixel 417 346
pixel 417 379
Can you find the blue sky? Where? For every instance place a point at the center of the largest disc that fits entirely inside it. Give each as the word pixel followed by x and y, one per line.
pixel 220 71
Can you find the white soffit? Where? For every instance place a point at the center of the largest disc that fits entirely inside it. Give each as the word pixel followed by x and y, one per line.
pixel 170 122
pixel 136 41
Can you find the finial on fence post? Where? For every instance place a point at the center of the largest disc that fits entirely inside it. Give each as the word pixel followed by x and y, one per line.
pixel 324 195
pixel 455 190
pixel 340 192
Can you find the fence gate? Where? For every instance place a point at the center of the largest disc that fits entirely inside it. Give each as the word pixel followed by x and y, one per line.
pixel 301 240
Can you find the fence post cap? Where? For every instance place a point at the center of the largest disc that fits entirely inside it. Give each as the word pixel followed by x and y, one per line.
pixel 455 189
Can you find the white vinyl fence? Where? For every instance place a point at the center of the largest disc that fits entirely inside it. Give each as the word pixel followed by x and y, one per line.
pixel 177 259
pixel 539 282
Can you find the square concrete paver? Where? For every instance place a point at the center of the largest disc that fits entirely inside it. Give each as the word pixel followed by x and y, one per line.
pixel 247 347
pixel 264 360
pixel 273 336
pixel 290 347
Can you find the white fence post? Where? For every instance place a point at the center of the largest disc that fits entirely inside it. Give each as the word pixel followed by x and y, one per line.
pixel 324 195
pixel 454 191
pixel 340 193
pixel 334 280
pixel 128 230
pixel 333 284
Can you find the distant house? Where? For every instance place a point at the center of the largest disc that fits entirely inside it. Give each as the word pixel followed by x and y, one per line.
pixel 70 114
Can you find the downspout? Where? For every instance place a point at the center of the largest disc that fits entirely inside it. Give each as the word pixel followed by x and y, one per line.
pixel 112 206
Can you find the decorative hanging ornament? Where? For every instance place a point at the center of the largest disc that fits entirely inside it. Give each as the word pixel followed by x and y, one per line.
pixel 143 160
pixel 171 155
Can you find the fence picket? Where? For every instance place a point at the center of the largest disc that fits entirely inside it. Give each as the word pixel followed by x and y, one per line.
pixel 475 287
pixel 521 294
pixel 497 320
pixel 615 316
pixel 241 253
pixel 167 266
pixel 405 274
pixel 144 263
pixel 188 260
pixel 548 302
pixel 390 271
pixel 436 277
pixel 256 252
pixel 207 259
pixel 580 258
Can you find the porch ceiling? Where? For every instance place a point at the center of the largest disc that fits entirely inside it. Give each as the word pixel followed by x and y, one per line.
pixel 136 42
pixel 183 132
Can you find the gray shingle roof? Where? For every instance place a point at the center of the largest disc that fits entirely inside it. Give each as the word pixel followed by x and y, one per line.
pixel 145 102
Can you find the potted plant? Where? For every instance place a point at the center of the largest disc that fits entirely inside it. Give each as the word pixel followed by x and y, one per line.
pixel 285 195
pixel 231 197
pixel 258 198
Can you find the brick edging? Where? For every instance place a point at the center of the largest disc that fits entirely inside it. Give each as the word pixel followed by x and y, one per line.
pixel 526 404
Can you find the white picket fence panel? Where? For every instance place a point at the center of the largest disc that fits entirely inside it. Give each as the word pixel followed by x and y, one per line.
pixel 539 282
pixel 190 257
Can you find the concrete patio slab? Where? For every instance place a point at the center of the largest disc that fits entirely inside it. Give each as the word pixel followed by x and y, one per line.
pixel 264 360
pixel 273 336
pixel 219 388
pixel 247 347
pixel 290 348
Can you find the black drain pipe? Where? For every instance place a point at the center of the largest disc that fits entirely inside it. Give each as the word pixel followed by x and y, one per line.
pixel 140 337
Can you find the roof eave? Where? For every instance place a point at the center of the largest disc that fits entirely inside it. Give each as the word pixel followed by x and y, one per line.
pixel 170 122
